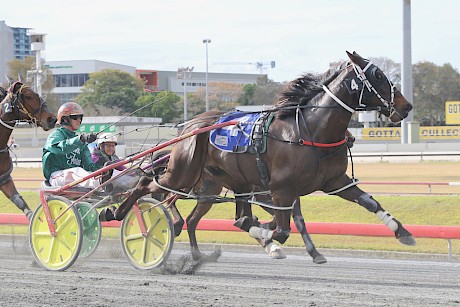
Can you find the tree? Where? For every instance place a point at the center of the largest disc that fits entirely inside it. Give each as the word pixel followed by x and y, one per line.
pixel 247 98
pixel 265 92
pixel 222 96
pixel 20 67
pixel 433 86
pixel 110 88
pixel 390 68
pixel 163 104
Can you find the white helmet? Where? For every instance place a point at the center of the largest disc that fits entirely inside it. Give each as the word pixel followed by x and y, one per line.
pixel 106 138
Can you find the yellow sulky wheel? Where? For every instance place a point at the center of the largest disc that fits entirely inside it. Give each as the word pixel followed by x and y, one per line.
pixel 59 252
pixel 152 250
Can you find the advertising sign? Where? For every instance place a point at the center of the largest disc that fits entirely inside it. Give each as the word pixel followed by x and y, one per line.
pixel 426 133
pixel 94 128
pixel 452 112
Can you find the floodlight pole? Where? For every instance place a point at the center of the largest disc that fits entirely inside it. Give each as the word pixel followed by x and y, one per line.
pixel 406 70
pixel 207 41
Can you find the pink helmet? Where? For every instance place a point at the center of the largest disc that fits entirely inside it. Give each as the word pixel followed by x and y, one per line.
pixel 67 109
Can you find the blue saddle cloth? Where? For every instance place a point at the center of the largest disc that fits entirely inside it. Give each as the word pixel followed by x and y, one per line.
pixel 235 138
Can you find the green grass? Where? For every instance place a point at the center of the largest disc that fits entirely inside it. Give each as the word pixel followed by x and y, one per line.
pixel 416 210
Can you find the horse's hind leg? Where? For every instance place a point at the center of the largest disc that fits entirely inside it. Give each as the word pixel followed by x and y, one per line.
pixel 365 200
pixel 195 216
pixel 243 214
pixel 207 187
pixel 178 221
pixel 300 225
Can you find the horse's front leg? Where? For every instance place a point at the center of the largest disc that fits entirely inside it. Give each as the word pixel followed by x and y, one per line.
pixel 365 200
pixel 300 225
pixel 10 191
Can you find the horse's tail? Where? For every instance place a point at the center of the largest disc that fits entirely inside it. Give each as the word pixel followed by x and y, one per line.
pixel 197 144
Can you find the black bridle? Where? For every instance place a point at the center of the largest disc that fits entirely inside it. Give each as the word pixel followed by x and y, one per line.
pixel 17 105
pixel 367 84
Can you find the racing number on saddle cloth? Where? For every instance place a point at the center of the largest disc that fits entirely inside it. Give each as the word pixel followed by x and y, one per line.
pixel 235 138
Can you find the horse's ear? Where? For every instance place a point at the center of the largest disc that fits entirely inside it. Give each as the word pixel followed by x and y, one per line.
pixel 10 80
pixel 20 78
pixel 354 57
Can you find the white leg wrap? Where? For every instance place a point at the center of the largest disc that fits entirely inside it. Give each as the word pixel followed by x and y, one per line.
pixel 260 233
pixel 387 218
pixel 274 251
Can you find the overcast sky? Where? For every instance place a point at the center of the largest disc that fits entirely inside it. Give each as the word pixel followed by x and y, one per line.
pixel 301 35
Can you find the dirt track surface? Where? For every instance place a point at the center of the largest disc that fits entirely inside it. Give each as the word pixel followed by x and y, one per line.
pixel 236 279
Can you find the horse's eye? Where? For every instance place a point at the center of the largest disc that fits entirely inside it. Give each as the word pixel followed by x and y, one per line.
pixel 379 75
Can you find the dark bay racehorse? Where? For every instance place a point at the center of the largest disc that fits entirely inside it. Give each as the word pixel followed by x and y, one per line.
pixel 18 102
pixel 305 148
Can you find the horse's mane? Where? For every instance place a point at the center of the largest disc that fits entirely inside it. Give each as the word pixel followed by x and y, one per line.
pixel 303 90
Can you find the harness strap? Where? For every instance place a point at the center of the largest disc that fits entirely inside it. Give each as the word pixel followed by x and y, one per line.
pixel 353 183
pixel 6 125
pixel 340 102
pixel 310 143
pixel 263 172
pixel 270 206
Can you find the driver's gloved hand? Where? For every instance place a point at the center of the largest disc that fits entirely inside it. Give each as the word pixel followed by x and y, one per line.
pixel 88 138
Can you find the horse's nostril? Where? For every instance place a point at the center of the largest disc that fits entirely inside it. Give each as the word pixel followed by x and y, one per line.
pixel 409 107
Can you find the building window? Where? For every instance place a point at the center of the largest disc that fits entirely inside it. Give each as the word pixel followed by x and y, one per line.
pixel 70 80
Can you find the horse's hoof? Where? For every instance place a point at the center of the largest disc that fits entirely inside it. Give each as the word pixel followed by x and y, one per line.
pixel 178 227
pixel 408 240
pixel 213 257
pixel 274 251
pixel 320 259
pixel 317 257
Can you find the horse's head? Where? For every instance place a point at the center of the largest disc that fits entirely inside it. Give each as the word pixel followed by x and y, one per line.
pixel 22 103
pixel 375 90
